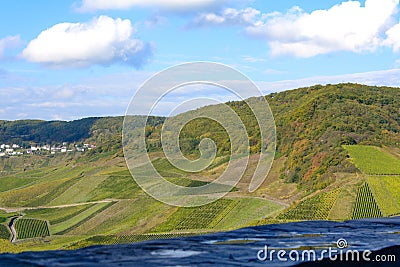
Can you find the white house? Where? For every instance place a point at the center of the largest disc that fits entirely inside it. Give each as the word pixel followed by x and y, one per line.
pixel 15 146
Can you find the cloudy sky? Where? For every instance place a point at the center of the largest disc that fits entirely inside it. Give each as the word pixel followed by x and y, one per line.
pixel 78 58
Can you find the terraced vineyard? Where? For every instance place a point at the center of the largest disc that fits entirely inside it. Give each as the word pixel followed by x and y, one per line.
pixel 380 195
pixel 79 218
pixel 246 211
pixel 372 160
pixel 30 228
pixel 204 217
pixel 313 208
pixel 385 191
pixel 365 206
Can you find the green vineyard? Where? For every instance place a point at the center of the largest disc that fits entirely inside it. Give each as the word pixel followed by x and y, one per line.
pixel 79 218
pixel 203 217
pixel 365 206
pixel 385 191
pixel 122 239
pixel 57 215
pixel 372 160
pixel 246 211
pixel 30 228
pixel 393 185
pixel 4 232
pixel 313 208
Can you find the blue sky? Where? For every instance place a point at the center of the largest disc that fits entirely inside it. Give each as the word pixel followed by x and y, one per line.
pixel 80 58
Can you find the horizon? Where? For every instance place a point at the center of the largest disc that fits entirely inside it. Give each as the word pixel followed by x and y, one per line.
pixel 191 109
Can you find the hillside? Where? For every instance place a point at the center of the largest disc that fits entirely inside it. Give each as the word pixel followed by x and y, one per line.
pixel 312 123
pixel 337 158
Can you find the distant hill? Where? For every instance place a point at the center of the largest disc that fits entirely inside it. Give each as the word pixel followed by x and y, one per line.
pixel 312 124
pixel 98 130
pixel 45 132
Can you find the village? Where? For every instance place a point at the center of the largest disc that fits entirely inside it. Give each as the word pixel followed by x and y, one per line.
pixel 7 150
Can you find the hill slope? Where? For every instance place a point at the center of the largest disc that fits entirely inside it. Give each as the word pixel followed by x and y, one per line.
pixel 319 173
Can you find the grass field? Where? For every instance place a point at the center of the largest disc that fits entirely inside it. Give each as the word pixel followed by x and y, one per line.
pixel 4 232
pixel 24 196
pixel 133 216
pixel 4 216
pixel 123 187
pixel 79 191
pixel 70 223
pixel 373 160
pixel 45 185
pixel 56 215
pixel 30 228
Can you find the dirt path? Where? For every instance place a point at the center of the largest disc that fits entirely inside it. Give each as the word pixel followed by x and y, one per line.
pixel 11 225
pixel 8 210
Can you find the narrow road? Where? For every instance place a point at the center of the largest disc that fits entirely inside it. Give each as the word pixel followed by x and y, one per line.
pixel 11 225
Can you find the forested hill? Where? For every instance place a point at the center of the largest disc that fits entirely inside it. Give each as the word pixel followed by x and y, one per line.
pixel 45 132
pixel 95 129
pixel 312 125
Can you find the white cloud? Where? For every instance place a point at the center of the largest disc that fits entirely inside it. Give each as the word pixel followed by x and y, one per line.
pixel 393 37
pixel 348 26
pixel 228 16
pixel 103 40
pixel 251 59
pixel 373 78
pixel 93 5
pixel 155 21
pixel 110 95
pixel 64 93
pixel 344 27
pixel 273 72
pixel 9 42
